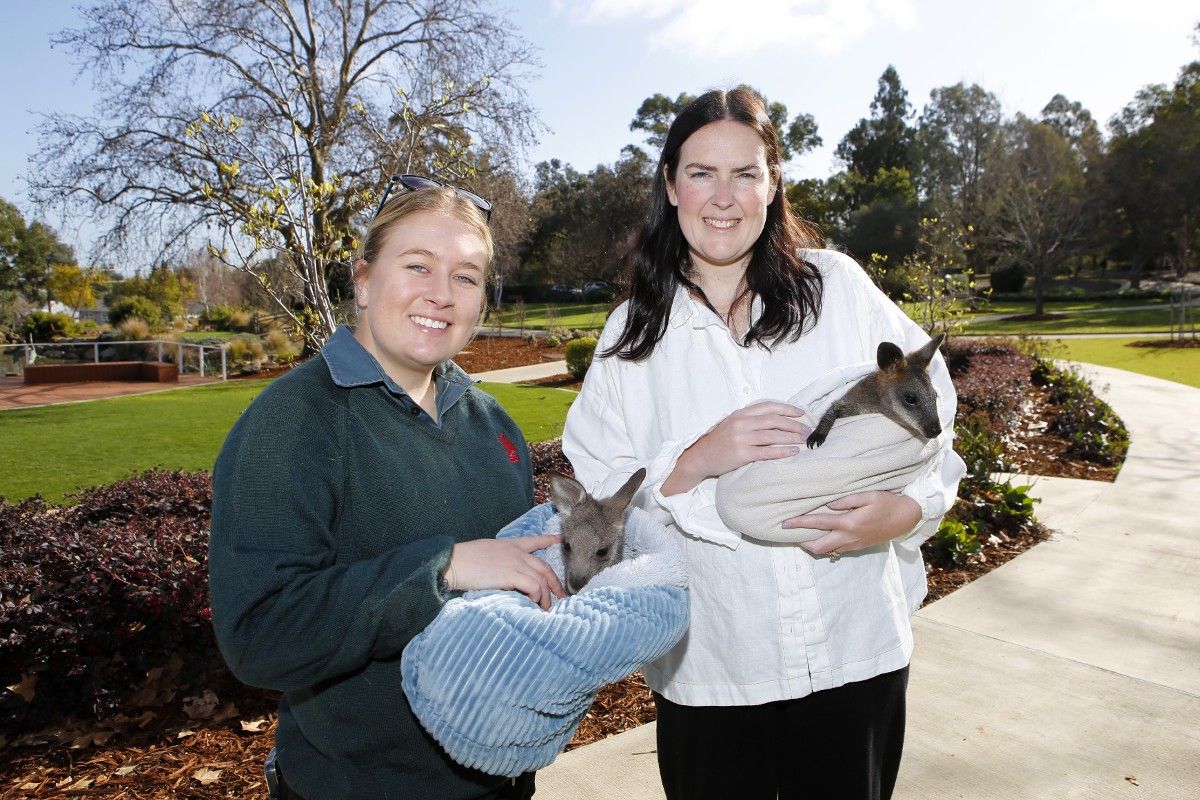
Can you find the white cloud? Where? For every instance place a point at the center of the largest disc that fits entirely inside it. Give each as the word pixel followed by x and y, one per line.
pixel 721 28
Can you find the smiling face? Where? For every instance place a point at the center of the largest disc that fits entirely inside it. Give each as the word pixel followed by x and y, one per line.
pixel 420 298
pixel 721 191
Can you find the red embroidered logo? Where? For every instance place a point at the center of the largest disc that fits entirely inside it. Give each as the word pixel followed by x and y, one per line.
pixel 513 456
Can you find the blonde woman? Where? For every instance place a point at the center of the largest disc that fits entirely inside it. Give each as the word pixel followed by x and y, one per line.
pixel 352 500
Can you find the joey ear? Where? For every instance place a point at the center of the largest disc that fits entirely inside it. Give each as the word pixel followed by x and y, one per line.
pixel 889 356
pixel 565 493
pixel 614 507
pixel 921 358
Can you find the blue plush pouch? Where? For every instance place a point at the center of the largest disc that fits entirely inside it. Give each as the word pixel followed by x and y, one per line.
pixel 502 684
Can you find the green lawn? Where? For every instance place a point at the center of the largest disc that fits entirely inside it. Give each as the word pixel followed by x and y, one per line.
pixel 1062 306
pixel 57 449
pixel 1156 320
pixel 199 336
pixel 1181 365
pixel 584 316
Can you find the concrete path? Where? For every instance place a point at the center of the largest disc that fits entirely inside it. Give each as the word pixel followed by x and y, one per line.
pixel 530 372
pixel 1073 671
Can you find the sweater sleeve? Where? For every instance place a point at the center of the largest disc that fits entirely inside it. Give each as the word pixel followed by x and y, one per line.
pixel 287 611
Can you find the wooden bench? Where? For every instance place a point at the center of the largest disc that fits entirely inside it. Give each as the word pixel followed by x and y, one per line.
pixel 153 371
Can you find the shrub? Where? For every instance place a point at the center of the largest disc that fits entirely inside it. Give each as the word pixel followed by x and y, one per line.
pixel 280 346
pixel 135 306
pixel 218 317
pixel 956 542
pixel 1008 279
pixel 1096 432
pixel 97 595
pixel 981 449
pixel 578 353
pixel 241 320
pixel 45 326
pixel 134 329
pixel 245 348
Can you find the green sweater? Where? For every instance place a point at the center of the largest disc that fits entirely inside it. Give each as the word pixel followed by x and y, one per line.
pixel 336 503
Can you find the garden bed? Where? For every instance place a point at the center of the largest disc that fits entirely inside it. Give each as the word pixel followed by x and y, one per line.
pixel 208 739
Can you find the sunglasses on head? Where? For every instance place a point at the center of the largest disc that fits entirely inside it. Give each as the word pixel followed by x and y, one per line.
pixel 414 182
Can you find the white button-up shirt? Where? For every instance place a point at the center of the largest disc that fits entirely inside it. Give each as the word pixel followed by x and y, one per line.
pixel 768 620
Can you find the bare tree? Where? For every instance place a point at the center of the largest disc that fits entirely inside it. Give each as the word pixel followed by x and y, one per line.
pixel 1040 202
pixel 268 127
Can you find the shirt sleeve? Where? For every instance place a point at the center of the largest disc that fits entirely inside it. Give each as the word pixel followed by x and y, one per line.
pixel 596 441
pixel 287 611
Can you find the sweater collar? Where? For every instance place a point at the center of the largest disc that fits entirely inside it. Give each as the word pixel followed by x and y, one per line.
pixel 350 366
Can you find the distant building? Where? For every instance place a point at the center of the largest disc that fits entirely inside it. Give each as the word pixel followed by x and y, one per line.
pixel 98 314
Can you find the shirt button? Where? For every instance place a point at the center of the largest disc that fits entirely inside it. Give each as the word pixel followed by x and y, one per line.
pixel 414 410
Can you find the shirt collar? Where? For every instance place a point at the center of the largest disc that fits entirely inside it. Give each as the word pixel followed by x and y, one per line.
pixel 685 307
pixel 350 366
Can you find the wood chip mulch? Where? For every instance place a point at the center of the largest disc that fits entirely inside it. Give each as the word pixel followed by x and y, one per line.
pixel 220 753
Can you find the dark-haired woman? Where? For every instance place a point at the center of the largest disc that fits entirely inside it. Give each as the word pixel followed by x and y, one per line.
pixel 791 680
pixel 355 496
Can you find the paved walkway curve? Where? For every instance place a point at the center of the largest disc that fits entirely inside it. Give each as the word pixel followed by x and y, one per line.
pixel 1072 671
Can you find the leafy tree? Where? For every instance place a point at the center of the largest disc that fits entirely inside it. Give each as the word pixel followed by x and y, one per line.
pixel 885 139
pixel 167 289
pixel 38 250
pixel 581 222
pixel 74 286
pixel 1040 201
pixel 886 221
pixel 12 225
pixel 1153 175
pixel 958 141
pixel 878 209
pixel 656 113
pixel 269 127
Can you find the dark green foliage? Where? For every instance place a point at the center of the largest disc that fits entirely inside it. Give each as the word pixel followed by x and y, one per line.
pixel 955 542
pixel 578 354
pixel 94 596
pixel 1009 279
pixel 44 326
pixel 1096 432
pixel 135 307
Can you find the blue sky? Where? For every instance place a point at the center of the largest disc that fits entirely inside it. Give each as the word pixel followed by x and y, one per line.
pixel 601 59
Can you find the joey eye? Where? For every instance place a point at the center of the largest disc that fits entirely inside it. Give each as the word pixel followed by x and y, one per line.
pixel 910 399
pixel 566 546
pixel 602 552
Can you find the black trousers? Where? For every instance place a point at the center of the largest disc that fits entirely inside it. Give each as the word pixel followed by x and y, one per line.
pixel 839 744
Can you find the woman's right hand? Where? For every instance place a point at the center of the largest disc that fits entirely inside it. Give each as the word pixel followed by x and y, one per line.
pixel 505 564
pixel 758 432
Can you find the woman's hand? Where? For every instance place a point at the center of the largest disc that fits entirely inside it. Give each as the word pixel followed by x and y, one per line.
pixel 505 564
pixel 864 520
pixel 758 432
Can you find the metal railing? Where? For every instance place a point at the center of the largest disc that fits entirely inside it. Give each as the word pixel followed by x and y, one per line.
pixel 179 352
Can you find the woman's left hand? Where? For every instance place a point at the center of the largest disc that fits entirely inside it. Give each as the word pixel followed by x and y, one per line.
pixel 862 520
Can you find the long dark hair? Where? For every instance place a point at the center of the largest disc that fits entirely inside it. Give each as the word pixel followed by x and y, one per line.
pixel 658 261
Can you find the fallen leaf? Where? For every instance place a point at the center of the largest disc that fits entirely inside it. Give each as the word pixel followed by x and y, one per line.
pixel 201 707
pixel 124 770
pixel 1132 779
pixel 26 688
pixel 184 734
pixel 206 775
pixel 254 726
pixel 229 711
pixel 91 738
